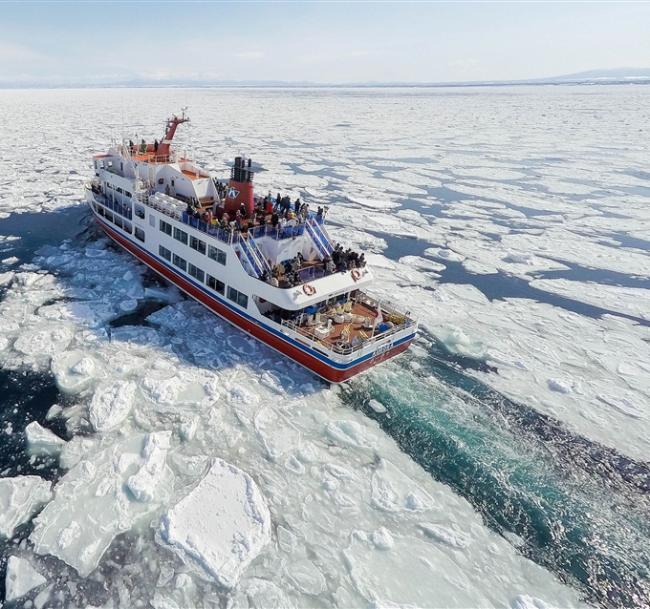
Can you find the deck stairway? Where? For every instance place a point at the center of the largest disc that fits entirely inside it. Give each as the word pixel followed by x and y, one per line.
pixel 256 260
pixel 319 237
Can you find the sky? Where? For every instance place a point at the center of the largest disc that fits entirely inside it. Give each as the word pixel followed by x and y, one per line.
pixel 328 42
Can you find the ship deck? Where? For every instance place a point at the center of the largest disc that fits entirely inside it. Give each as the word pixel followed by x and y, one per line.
pixel 350 328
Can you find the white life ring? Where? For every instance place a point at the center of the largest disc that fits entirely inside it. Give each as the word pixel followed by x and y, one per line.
pixel 356 275
pixel 310 290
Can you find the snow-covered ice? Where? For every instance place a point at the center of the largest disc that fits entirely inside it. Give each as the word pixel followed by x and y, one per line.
pixel 21 578
pixel 221 525
pixel 20 498
pixel 351 520
pixel 42 441
pixel 94 502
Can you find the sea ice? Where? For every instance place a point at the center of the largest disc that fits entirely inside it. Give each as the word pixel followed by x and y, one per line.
pixel 111 404
pixel 74 370
pixel 20 498
pixel 21 578
pixel 93 503
pixel 143 483
pixel 42 441
pixel 221 525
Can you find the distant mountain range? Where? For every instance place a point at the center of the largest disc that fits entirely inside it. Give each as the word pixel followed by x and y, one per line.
pixel 592 77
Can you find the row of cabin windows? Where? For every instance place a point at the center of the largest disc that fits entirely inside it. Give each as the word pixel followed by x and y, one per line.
pixel 118 189
pixel 194 242
pixel 116 219
pixel 212 282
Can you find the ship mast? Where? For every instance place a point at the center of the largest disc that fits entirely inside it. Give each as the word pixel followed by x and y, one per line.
pixel 170 130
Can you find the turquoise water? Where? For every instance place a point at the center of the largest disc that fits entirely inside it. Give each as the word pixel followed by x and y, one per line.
pixel 578 509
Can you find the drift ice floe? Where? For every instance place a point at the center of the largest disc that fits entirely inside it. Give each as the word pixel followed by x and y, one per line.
pixel 266 264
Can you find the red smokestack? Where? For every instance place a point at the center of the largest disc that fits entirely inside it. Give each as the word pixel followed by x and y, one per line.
pixel 240 187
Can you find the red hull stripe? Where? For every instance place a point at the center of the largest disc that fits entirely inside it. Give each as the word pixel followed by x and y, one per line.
pixel 326 368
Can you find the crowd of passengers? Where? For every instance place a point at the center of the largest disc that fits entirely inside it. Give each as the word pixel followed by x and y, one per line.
pixel 287 274
pixel 278 213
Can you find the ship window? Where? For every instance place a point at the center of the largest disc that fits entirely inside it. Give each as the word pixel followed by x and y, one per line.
pixel 180 235
pixel 119 190
pixel 118 221
pixel 215 284
pixel 109 216
pixel 196 272
pixel 139 234
pixel 100 210
pixel 139 211
pixel 179 262
pixel 166 227
pixel 216 254
pixel 238 297
pixel 127 193
pixel 165 253
pixel 197 244
pixel 127 227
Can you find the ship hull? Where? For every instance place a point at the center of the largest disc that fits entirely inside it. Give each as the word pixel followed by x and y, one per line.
pixel 329 370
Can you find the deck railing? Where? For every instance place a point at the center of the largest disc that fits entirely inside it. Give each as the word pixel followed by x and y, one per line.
pixel 346 348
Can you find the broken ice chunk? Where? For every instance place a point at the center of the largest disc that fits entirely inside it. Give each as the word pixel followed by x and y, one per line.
pixel 21 578
pixel 20 497
pixel 221 525
pixel 143 483
pixel 111 404
pixel 92 505
pixel 73 370
pixel 41 441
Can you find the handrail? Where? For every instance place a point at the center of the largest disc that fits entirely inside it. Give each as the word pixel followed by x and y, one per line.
pixel 321 234
pixel 250 255
pixel 345 349
pixel 314 237
pixel 261 259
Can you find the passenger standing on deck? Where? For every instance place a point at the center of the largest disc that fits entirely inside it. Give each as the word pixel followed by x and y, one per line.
pixel 296 206
pixel 155 146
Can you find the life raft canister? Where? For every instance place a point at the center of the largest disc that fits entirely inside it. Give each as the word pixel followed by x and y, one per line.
pixel 310 290
pixel 356 275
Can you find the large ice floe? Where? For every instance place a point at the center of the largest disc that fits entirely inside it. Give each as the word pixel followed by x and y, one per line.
pixel 222 524
pixel 203 469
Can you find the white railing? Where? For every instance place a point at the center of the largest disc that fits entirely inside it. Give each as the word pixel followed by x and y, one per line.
pixel 344 347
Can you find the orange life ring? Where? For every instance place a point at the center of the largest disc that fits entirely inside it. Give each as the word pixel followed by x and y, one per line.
pixel 310 290
pixel 356 275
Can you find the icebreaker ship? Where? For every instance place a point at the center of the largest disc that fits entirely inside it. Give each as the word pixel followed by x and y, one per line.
pixel 263 263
